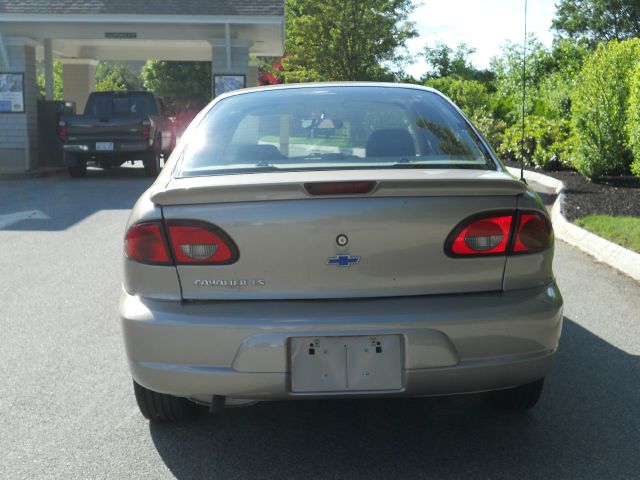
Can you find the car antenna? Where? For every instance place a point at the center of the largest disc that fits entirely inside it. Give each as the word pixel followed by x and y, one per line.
pixel 524 92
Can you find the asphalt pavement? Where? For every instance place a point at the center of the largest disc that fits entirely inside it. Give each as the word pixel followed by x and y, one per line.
pixel 67 408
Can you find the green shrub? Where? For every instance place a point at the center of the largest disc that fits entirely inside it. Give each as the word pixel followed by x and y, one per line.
pixel 470 95
pixel 547 143
pixel 635 168
pixel 491 128
pixel 475 100
pixel 599 109
pixel 554 90
pixel 633 124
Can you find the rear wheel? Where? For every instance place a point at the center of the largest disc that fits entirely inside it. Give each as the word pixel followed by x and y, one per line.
pixel 152 164
pixel 523 397
pixel 77 165
pixel 161 407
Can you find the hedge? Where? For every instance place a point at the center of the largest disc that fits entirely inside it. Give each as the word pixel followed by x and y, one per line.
pixel 599 110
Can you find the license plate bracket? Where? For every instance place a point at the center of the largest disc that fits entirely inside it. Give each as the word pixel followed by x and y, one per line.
pixel 104 146
pixel 346 364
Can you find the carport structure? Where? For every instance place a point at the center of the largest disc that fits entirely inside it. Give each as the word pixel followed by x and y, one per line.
pixel 82 32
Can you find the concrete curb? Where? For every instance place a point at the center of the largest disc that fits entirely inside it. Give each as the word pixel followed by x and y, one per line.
pixel 620 258
pixel 37 173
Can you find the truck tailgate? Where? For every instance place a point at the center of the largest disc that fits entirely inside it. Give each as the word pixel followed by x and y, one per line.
pixel 115 127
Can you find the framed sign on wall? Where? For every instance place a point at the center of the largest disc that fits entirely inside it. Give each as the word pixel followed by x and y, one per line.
pixel 227 82
pixel 11 92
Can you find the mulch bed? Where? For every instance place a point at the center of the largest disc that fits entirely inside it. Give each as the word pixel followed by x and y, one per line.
pixel 617 196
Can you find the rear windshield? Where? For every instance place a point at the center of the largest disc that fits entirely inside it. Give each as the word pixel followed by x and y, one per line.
pixel 105 104
pixel 328 128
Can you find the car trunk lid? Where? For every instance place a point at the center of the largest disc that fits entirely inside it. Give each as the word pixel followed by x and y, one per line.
pixel 288 239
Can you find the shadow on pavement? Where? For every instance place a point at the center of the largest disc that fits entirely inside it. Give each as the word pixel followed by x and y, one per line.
pixel 66 201
pixel 587 425
pixel 548 198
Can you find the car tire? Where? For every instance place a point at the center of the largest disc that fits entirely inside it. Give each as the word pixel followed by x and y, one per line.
pixel 152 164
pixel 160 407
pixel 77 165
pixel 520 398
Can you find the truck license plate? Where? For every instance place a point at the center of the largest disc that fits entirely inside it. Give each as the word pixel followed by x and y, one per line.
pixel 104 146
pixel 346 364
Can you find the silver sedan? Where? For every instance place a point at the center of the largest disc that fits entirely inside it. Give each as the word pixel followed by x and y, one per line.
pixel 336 240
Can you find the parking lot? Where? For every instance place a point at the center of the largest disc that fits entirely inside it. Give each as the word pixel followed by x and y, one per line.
pixel 67 408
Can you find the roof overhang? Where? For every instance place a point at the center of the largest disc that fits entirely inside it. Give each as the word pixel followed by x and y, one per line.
pixel 138 19
pixel 164 37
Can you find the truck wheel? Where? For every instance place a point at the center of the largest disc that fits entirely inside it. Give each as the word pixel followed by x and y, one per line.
pixel 521 398
pixel 160 407
pixel 77 165
pixel 152 164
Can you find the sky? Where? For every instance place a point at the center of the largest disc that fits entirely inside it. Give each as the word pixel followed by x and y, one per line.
pixel 482 24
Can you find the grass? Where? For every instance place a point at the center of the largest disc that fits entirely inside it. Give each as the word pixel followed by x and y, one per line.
pixel 624 231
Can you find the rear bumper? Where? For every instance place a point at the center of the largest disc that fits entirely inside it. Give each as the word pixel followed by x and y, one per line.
pixel 119 148
pixel 451 343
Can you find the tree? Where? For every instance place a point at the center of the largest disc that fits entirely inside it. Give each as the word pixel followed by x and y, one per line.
pixel 508 70
pixel 345 39
pixel 57 80
pixel 181 85
pixel 448 62
pixel 597 20
pixel 117 76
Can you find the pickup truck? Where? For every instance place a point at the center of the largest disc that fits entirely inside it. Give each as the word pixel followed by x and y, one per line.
pixel 117 127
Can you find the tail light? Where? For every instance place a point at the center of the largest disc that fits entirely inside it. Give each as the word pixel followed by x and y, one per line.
pixel 146 129
pixel 484 236
pixel 189 243
pixel 62 129
pixel 534 233
pixel 201 243
pixel 493 234
pixel 145 243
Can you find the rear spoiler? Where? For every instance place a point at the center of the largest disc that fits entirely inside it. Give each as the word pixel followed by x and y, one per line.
pixel 294 185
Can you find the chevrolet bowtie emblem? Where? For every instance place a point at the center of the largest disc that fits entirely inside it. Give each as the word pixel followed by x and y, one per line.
pixel 343 260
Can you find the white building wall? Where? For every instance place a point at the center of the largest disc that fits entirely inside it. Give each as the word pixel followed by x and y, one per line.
pixel 239 60
pixel 78 80
pixel 19 131
pixel 239 64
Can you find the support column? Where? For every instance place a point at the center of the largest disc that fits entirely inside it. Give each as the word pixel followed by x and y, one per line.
pixel 19 131
pixel 78 80
pixel 48 69
pixel 252 75
pixel 4 55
